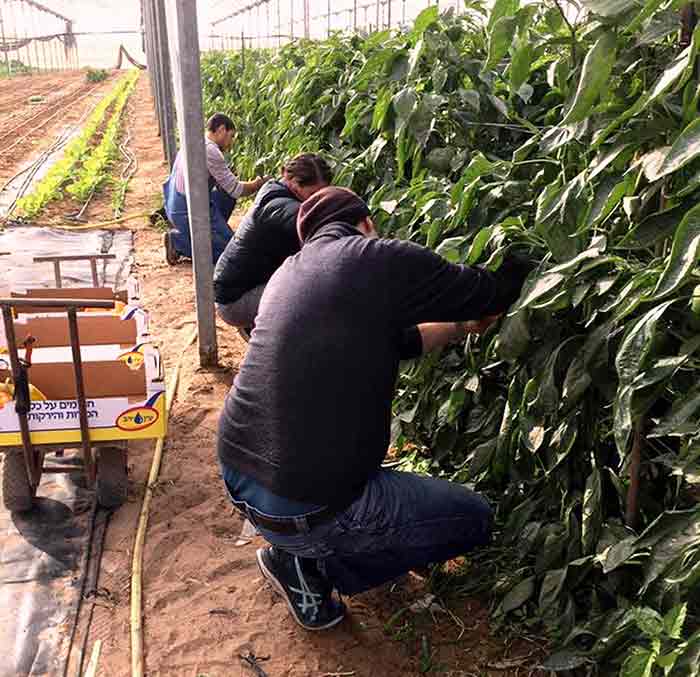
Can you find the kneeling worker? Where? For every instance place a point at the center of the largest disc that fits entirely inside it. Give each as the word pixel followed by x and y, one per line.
pixel 224 189
pixel 306 425
pixel 266 236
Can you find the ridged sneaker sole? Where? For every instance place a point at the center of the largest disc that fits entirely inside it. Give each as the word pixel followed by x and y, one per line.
pixel 272 579
pixel 171 256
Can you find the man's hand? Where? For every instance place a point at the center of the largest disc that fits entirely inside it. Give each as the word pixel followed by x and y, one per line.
pixel 260 181
pixel 252 187
pixel 479 326
pixel 438 334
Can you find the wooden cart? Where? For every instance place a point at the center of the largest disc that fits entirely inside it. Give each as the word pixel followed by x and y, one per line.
pixel 97 395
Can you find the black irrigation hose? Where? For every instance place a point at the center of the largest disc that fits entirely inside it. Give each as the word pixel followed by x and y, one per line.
pixel 93 588
pixel 131 167
pixel 83 580
pixel 90 570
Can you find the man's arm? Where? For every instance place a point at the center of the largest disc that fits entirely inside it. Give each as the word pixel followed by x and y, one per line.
pixel 436 335
pixel 423 338
pixel 226 179
pixel 423 287
pixel 252 187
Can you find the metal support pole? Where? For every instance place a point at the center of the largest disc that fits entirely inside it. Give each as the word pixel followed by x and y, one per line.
pixel 166 88
pixel 8 65
pixel 26 35
pixel 379 13
pixel 35 33
pixel 279 23
pixel 43 55
pixel 182 25
pixel 307 28
pixel 388 13
pixel 269 25
pixel 329 18
pixel 354 16
pixel 57 274
pixel 11 339
pixel 153 64
pixel 80 392
pixel 291 19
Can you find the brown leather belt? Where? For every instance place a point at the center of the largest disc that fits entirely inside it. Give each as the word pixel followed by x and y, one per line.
pixel 286 525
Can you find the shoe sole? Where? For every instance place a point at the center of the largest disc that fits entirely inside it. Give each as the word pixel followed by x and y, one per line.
pixel 171 257
pixel 277 586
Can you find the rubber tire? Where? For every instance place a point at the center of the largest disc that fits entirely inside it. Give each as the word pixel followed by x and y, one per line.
pixel 17 494
pixel 112 484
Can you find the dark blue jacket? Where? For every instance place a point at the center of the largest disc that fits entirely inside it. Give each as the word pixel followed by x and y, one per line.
pixel 266 236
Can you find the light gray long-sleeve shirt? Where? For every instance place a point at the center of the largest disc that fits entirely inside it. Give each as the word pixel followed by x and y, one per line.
pixel 217 167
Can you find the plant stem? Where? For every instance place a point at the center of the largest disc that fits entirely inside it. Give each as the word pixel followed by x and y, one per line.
pixel 572 30
pixel 632 507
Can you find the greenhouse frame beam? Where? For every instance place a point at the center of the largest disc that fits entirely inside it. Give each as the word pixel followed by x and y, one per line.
pixel 241 10
pixel 48 10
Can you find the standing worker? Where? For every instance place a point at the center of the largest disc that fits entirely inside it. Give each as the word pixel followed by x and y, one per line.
pixel 224 189
pixel 306 425
pixel 266 236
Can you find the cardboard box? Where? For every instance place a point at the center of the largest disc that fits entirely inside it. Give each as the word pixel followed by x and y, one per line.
pixel 94 328
pixel 124 389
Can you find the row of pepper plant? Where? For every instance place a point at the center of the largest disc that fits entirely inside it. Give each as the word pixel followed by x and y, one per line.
pixel 572 136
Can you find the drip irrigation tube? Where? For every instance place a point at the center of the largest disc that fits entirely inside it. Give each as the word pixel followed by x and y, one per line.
pixel 137 562
pixel 111 224
pixel 93 589
pixel 131 167
pixel 83 580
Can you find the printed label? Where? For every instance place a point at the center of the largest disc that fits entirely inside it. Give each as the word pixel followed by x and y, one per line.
pixel 137 418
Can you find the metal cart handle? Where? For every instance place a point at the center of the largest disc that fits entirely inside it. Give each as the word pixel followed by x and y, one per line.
pixel 57 259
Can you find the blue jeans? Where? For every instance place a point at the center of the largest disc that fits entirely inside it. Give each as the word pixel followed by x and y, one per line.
pixel 401 522
pixel 221 206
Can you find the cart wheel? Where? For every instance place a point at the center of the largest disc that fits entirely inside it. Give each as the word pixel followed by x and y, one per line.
pixel 17 493
pixel 112 481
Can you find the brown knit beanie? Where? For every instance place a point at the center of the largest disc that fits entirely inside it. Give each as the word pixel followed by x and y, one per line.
pixel 329 205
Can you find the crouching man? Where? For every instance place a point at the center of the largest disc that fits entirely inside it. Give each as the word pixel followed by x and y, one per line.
pixel 224 189
pixel 306 425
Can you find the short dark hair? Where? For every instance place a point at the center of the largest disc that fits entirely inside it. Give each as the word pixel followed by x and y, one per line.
pixel 218 119
pixel 308 169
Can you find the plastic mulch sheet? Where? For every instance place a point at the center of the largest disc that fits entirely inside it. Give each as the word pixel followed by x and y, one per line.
pixel 42 554
pixel 19 272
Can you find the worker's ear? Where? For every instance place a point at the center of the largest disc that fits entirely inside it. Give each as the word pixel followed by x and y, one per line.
pixel 367 228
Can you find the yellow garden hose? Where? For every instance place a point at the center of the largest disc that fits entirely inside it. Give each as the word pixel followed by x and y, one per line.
pixel 137 561
pixel 95 224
